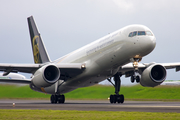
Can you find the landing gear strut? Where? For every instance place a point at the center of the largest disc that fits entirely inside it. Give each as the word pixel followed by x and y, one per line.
pixel 57 99
pixel 116 97
pixel 136 77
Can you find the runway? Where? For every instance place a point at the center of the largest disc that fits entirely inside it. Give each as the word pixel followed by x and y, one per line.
pixel 93 105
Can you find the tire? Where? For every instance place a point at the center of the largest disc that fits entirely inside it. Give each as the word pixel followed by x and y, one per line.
pixel 132 79
pixel 118 99
pixel 121 98
pixel 114 98
pixel 61 98
pixel 111 99
pixel 53 99
pixel 137 79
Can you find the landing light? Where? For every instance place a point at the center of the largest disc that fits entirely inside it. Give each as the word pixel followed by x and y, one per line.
pixel 83 66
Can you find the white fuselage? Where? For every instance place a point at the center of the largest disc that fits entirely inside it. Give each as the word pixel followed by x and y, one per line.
pixel 105 56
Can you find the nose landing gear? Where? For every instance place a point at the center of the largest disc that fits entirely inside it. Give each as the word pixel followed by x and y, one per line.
pixel 136 77
pixel 116 97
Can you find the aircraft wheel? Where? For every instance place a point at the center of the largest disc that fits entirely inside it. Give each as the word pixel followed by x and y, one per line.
pixel 111 99
pixel 114 98
pixel 132 79
pixel 118 99
pixel 53 99
pixel 137 79
pixel 121 98
pixel 61 99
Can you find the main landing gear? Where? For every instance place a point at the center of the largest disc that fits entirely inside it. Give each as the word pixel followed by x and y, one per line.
pixel 136 76
pixel 57 99
pixel 116 97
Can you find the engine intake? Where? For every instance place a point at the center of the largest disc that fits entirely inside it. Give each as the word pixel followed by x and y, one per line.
pixel 158 73
pixel 46 76
pixel 153 75
pixel 51 73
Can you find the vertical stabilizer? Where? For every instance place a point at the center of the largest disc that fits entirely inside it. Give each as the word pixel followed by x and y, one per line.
pixel 39 51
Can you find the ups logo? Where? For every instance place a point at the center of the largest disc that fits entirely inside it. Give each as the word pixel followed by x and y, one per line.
pixel 36 49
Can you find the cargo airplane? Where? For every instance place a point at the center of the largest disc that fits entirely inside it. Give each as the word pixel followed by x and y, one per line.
pixel 109 57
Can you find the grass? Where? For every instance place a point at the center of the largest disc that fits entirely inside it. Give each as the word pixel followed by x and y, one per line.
pixel 84 115
pixel 137 92
pixel 94 92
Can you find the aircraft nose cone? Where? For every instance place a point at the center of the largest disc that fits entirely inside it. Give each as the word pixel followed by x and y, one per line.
pixel 147 45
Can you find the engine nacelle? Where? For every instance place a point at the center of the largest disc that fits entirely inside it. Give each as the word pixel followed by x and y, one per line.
pixel 153 75
pixel 46 76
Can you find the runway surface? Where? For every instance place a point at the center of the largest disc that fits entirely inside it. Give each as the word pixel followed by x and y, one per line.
pixel 93 105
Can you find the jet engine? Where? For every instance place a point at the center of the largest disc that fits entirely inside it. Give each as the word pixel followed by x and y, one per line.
pixel 153 75
pixel 46 76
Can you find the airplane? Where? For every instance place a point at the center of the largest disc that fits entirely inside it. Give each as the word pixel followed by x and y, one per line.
pixel 116 54
pixel 12 76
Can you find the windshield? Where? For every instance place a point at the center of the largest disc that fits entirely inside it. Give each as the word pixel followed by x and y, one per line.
pixel 140 33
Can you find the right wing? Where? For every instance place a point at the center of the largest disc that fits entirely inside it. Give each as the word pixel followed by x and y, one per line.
pixel 68 70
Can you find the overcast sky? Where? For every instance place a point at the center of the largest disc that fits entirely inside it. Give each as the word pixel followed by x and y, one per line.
pixel 66 25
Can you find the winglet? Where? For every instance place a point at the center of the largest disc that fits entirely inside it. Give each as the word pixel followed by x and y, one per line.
pixel 39 51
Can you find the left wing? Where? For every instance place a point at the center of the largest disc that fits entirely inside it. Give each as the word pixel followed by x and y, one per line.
pixel 171 66
pixel 149 75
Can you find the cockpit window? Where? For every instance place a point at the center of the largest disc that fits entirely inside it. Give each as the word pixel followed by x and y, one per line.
pixel 140 33
pixel 130 34
pixel 149 33
pixel 134 33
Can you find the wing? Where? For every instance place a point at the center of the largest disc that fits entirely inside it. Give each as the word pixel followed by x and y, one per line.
pixel 68 70
pixel 171 66
pixel 128 69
